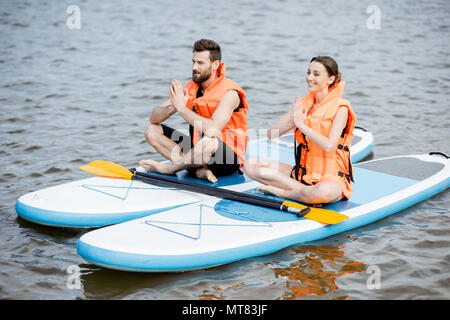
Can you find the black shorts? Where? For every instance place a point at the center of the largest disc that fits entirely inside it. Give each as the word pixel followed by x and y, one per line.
pixel 222 163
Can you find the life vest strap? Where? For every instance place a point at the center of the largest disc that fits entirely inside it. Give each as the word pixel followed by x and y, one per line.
pixel 302 145
pixel 298 154
pixel 294 174
pixel 297 167
pixel 347 176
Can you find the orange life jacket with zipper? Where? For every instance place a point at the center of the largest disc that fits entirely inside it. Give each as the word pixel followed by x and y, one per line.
pixel 235 132
pixel 312 163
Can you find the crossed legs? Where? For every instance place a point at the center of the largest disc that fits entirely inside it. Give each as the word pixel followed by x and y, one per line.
pixel 277 181
pixel 196 157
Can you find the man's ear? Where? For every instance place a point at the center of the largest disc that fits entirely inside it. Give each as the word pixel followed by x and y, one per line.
pixel 216 65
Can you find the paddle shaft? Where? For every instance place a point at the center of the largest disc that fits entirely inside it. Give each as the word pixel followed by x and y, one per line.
pixel 217 192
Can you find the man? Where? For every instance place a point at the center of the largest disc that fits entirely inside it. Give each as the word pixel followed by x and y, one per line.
pixel 215 108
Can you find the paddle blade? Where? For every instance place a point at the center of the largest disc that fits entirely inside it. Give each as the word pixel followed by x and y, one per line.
pixel 319 214
pixel 325 216
pixel 107 169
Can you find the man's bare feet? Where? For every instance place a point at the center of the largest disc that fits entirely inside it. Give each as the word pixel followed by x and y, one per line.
pixel 166 168
pixel 155 166
pixel 205 173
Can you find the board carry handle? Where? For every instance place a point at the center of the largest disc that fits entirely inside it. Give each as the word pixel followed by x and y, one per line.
pixel 439 153
pixel 361 128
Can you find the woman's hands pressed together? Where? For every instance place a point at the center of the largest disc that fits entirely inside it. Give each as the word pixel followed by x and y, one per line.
pixel 298 114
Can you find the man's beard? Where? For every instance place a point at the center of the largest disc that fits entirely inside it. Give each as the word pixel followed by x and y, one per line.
pixel 200 78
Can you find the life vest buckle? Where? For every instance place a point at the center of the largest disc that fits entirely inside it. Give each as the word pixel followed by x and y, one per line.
pixel 345 148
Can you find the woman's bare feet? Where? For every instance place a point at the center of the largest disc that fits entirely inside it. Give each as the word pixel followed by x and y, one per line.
pixel 274 191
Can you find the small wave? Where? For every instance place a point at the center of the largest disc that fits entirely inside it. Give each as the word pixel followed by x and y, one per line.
pixel 58 60
pixel 359 94
pixel 55 95
pixel 55 170
pixel 36 175
pixel 18 131
pixel 144 97
pixel 143 80
pixel 77 161
pixel 22 84
pixel 9 176
pixel 13 145
pixel 20 25
pixel 428 244
pixel 72 108
pixel 33 148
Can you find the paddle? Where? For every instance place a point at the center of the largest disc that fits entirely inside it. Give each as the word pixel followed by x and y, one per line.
pixel 114 170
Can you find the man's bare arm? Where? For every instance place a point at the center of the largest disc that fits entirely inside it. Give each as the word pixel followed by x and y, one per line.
pixel 213 126
pixel 162 112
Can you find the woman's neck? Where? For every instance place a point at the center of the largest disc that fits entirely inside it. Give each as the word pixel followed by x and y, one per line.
pixel 320 95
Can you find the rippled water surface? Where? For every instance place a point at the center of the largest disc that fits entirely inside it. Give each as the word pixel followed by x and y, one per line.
pixel 70 96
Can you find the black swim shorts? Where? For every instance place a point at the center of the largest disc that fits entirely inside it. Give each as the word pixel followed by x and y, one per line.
pixel 222 163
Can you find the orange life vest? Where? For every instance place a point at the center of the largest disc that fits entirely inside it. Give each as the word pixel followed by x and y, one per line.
pixel 235 132
pixel 313 164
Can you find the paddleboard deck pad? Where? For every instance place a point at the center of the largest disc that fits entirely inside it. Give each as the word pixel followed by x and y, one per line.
pixel 216 231
pixel 101 201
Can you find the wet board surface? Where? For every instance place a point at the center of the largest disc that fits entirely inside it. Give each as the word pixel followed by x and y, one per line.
pixel 214 231
pixel 99 201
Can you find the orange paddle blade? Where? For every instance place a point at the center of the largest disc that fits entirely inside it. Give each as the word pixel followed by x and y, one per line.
pixel 107 169
pixel 319 214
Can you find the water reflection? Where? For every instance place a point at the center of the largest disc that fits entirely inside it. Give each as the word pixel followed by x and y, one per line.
pixel 315 273
pixel 101 283
pixel 217 292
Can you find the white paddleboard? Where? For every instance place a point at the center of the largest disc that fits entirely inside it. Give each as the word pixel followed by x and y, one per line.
pixel 100 201
pixel 216 231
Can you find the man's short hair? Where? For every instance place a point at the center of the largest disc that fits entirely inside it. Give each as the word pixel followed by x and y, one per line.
pixel 208 45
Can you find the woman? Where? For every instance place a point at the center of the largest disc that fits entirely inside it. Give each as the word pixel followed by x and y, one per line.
pixel 323 124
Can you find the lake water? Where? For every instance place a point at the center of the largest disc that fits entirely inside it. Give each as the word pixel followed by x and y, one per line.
pixel 70 96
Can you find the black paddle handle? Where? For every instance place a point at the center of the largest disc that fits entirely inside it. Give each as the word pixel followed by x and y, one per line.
pixel 209 190
pixel 217 192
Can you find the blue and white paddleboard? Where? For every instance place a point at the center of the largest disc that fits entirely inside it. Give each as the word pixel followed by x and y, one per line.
pixel 216 231
pixel 100 201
